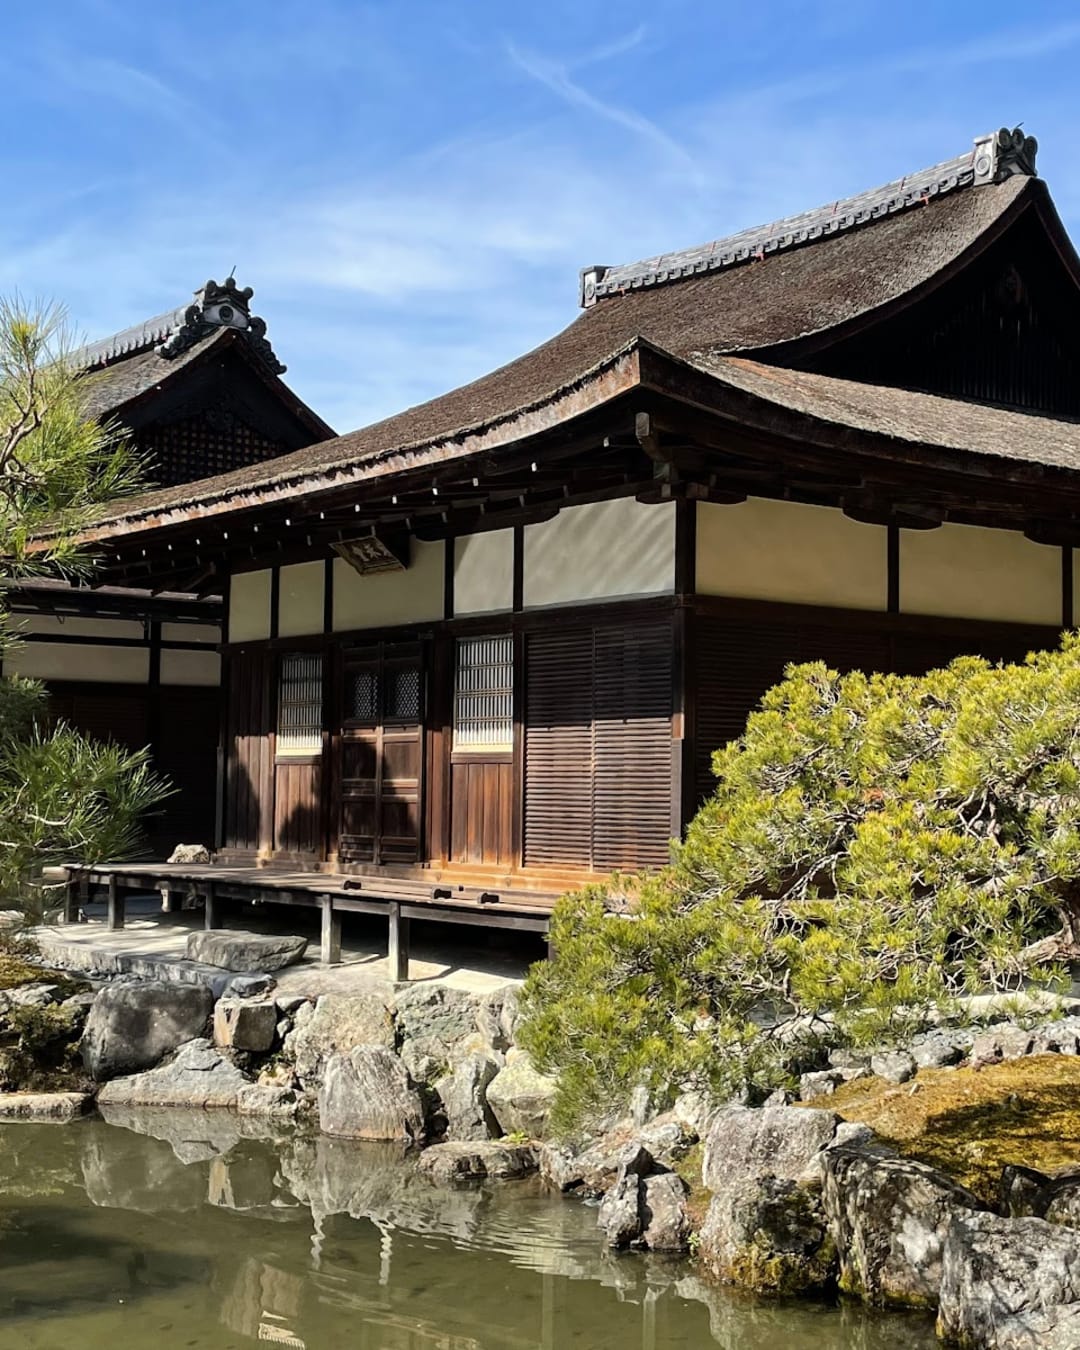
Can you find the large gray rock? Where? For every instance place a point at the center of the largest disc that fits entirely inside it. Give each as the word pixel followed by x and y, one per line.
pixel 1061 1037
pixel 367 1094
pixel 1004 1041
pixel 437 1011
pixel 521 1097
pixel 496 1017
pixel 665 1222
pixel 895 1066
pixel 765 1228
pixel 559 1165
pixel 269 1103
pixel 779 1141
pixel 463 1094
pixel 821 1083
pixel 249 986
pixel 1026 1192
pixel 1010 1284
pixel 767 1234
pixel 243 1024
pixel 234 950
pixel 462 1161
pixel 198 1076
pixel 940 1048
pixel 596 1168
pixel 619 1217
pixel 133 1026
pixel 336 1024
pixel 33 996
pixel 889 1217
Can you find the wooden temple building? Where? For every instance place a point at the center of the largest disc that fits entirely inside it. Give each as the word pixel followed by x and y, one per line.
pixel 481 652
pixel 198 391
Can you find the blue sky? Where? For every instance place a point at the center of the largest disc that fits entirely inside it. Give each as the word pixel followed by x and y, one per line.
pixel 412 187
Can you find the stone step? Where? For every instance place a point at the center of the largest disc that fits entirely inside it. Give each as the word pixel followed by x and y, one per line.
pixel 94 959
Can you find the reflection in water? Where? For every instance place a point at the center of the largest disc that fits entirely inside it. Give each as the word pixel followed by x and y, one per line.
pixel 163 1229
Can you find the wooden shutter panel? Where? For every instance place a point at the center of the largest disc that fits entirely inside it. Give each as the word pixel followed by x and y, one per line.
pixel 250 767
pixel 735 662
pixel 632 747
pixel 558 747
pixel 598 746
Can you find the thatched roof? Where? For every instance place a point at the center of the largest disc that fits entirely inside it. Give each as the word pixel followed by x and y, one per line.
pixel 890 249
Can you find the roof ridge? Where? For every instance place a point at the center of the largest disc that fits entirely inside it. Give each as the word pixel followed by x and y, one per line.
pixel 215 305
pixel 992 158
pixel 129 341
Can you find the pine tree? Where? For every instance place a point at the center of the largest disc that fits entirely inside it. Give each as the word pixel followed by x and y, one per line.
pixel 877 847
pixel 62 795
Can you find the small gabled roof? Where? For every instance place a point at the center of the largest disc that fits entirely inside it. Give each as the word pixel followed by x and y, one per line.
pixel 122 368
pixel 215 306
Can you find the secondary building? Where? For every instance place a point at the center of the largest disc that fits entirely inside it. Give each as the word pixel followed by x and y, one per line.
pixel 197 391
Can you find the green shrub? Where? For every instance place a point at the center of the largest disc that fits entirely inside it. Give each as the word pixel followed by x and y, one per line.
pixel 877 846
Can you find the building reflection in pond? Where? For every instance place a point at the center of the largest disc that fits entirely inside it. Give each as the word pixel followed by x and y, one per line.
pixel 175 1220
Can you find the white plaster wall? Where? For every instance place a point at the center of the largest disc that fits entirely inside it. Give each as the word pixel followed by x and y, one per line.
pixel 484 572
pixel 788 551
pixel 971 572
pixel 191 668
pixel 385 599
pixel 75 626
pixel 300 599
pixel 249 606
pixel 63 661
pixel 191 632
pixel 600 551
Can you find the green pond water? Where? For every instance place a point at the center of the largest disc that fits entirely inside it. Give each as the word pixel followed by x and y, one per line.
pixel 170 1229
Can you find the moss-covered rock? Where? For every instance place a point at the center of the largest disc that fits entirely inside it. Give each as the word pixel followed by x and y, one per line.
pixel 40 1049
pixel 971 1123
pixel 768 1235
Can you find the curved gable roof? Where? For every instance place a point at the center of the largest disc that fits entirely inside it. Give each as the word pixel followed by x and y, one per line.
pixel 823 287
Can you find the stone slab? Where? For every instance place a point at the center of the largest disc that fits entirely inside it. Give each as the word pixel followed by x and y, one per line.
pixel 241 952
pixel 44 1105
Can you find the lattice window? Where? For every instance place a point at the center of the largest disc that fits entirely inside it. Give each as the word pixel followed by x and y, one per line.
pixel 209 443
pixel 362 696
pixel 300 706
pixel 403 694
pixel 484 694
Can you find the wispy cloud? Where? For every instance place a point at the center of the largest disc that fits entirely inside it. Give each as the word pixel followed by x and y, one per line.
pixel 556 77
pixel 144 94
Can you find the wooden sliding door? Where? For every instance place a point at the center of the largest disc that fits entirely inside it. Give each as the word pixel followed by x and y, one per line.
pixel 382 754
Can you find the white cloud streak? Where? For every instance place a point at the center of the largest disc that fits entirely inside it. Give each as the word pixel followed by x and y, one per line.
pixel 556 77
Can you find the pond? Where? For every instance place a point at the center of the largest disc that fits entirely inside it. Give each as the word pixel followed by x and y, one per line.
pixel 173 1229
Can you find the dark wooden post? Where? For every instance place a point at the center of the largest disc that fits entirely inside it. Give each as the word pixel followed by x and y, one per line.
pixel 115 904
pixel 210 915
pixel 398 949
pixel 330 948
pixel 72 891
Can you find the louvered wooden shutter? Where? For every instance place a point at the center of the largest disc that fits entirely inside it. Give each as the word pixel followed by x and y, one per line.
pixel 632 747
pixel 598 746
pixel 735 662
pixel 558 747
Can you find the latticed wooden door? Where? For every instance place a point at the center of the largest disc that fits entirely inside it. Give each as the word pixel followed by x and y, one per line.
pixel 382 754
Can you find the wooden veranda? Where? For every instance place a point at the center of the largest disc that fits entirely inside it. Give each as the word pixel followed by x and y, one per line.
pixel 398 901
